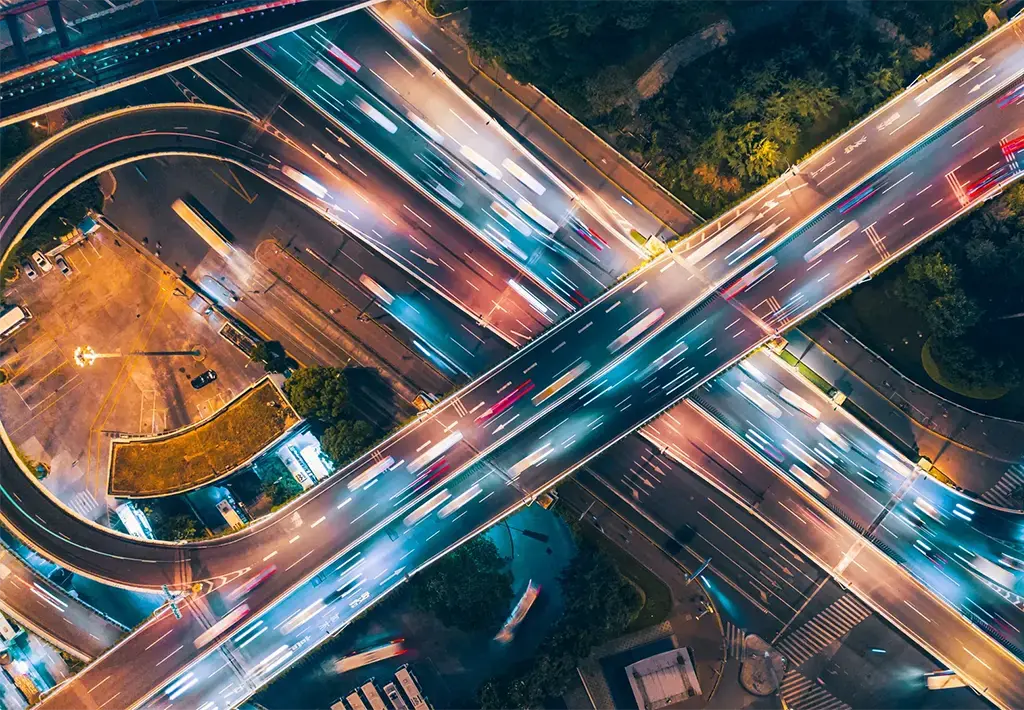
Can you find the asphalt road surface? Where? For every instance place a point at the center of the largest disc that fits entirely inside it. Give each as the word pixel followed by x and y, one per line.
pixel 626 382
pixel 94 70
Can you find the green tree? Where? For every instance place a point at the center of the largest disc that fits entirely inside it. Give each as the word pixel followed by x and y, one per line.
pixel 261 353
pixel 318 392
pixel 66 213
pixel 346 439
pixel 282 489
pixel 607 89
pixel 952 314
pixel 271 354
pixel 925 277
pixel 179 526
pixel 16 140
pixel 469 589
pixel 182 527
pixel 764 158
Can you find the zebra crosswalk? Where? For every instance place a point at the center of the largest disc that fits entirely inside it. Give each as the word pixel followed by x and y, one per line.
pixel 958 189
pixel 84 504
pixel 735 642
pixel 801 693
pixel 825 627
pixel 1004 492
pixel 877 241
pixel 459 407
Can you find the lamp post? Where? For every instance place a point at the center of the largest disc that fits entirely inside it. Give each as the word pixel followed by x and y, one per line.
pixel 85 356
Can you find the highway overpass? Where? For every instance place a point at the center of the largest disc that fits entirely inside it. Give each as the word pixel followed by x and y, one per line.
pixel 561 432
pixel 95 68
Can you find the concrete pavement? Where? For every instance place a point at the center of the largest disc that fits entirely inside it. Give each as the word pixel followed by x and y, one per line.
pixel 281 298
pixel 859 367
pixel 538 475
pixel 100 69
pixel 855 563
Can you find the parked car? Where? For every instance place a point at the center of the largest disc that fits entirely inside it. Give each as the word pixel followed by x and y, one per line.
pixel 63 265
pixel 204 379
pixel 26 266
pixel 41 261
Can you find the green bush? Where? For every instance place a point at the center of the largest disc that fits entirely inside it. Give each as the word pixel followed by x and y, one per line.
pixel 469 589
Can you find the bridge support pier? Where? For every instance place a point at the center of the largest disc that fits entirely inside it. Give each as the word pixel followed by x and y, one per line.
pixel 14 28
pixel 58 23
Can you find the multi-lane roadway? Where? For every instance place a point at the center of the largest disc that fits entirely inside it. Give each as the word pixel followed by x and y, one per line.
pixel 837 491
pixel 521 438
pixel 506 201
pixel 91 70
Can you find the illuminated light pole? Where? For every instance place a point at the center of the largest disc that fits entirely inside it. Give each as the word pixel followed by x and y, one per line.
pixel 85 355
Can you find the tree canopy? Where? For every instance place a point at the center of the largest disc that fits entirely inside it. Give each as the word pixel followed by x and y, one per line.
pixel 346 439
pixel 282 489
pixel 271 354
pixel 58 220
pixel 322 393
pixel 171 526
pixel 964 286
pixel 793 74
pixel 470 588
pixel 318 392
pixel 66 213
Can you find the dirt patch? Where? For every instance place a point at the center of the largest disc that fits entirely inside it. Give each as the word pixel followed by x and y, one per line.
pixel 200 454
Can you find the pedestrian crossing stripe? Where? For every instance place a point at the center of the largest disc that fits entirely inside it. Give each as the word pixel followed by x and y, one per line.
pixel 83 503
pixel 460 408
pixel 736 641
pixel 958 189
pixel 877 241
pixel 812 636
pixel 1002 493
pixel 801 693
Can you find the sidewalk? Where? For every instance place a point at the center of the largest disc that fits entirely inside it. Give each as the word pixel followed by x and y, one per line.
pixel 974 450
pixel 704 635
pixel 582 156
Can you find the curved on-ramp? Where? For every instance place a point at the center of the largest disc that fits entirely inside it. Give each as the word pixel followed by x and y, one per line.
pixel 38 180
pixel 27 189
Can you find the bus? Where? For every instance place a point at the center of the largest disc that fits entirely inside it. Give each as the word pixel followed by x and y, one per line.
pixel 508 630
pixel 304 180
pixel 201 226
pixel 354 701
pixel 372 696
pixel 836 238
pixel 412 689
pixel 12 320
pixel 762 270
pixel 808 481
pixel 229 620
pixel 397 702
pixel 358 660
pixel 371 473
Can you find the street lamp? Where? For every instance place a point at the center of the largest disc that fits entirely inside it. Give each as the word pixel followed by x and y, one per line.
pixel 85 355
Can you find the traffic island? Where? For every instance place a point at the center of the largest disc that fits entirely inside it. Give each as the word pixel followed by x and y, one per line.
pixel 762 668
pixel 203 452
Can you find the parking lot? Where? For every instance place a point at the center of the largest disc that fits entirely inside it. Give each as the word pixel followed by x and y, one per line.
pixel 116 301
